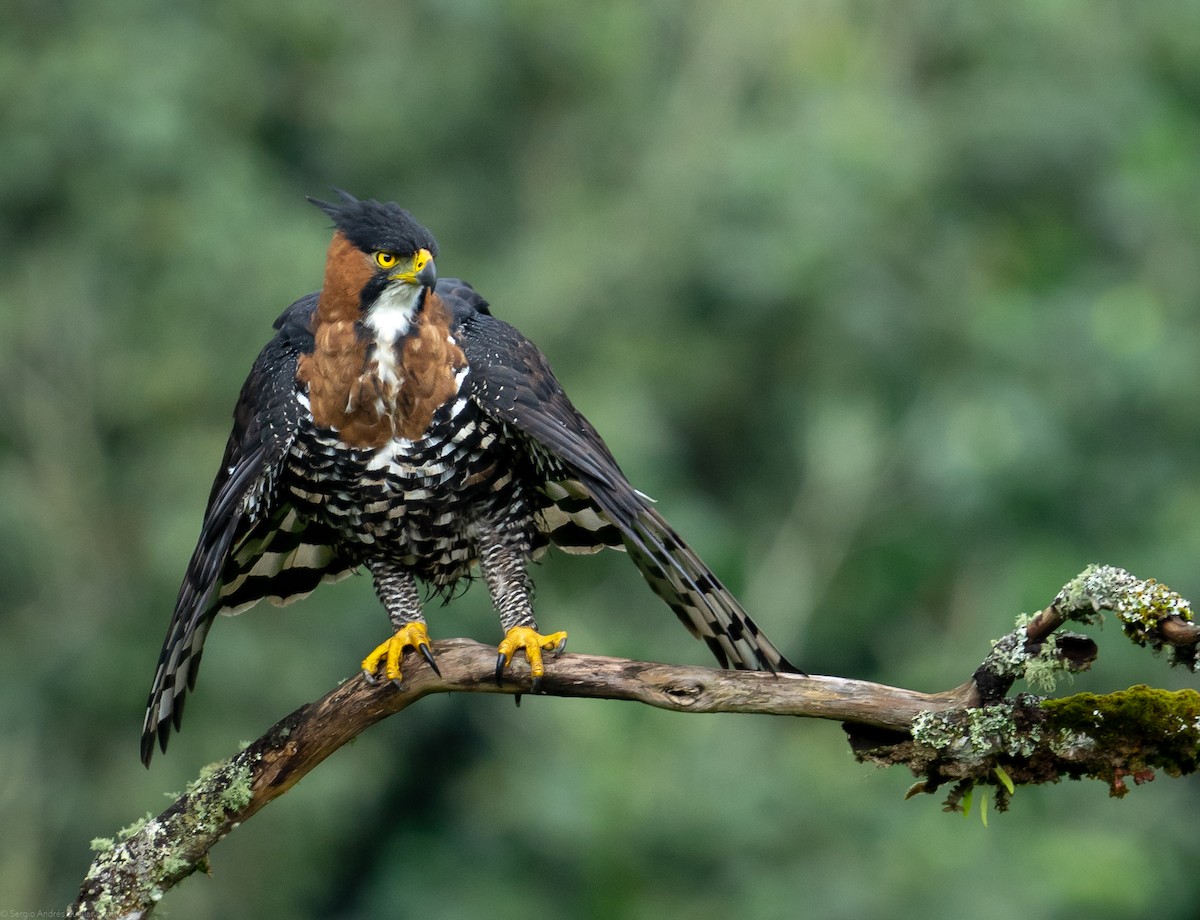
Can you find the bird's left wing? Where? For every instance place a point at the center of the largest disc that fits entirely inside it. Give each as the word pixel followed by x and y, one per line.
pixel 250 538
pixel 512 381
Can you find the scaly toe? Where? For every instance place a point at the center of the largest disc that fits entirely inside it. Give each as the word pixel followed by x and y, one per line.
pixel 391 651
pixel 532 643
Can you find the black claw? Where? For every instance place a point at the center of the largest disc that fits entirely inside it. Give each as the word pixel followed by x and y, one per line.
pixel 499 669
pixel 535 686
pixel 369 677
pixel 517 699
pixel 562 647
pixel 427 654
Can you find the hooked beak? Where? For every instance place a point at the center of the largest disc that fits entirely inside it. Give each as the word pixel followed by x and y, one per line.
pixel 423 271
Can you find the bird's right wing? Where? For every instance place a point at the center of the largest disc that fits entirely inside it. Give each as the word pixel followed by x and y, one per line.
pixel 252 545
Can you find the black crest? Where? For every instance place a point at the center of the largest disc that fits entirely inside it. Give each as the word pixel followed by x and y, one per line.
pixel 370 225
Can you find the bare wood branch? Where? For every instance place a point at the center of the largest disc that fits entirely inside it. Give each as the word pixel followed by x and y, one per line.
pixel 128 879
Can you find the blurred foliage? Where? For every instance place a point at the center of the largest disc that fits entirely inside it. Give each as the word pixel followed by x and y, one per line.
pixel 892 307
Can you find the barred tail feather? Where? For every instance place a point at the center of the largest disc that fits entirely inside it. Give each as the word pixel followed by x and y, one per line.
pixel 699 599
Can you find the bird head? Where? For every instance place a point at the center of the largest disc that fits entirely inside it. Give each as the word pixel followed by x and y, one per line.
pixel 380 262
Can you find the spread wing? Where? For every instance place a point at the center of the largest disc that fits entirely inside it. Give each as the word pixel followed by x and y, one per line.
pixel 511 381
pixel 252 545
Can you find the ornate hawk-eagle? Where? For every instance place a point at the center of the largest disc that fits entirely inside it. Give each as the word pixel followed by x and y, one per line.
pixel 393 423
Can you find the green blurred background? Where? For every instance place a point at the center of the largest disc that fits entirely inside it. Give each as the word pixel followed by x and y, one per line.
pixel 893 308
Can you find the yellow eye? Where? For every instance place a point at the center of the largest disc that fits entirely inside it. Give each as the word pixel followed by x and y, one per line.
pixel 386 259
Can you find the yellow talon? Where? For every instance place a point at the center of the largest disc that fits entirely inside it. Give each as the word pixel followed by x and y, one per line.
pixel 390 651
pixel 532 642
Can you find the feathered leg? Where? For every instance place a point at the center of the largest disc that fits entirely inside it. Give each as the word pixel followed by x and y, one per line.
pixel 505 569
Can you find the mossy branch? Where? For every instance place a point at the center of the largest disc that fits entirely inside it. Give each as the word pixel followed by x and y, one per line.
pixel 1029 739
pixel 968 735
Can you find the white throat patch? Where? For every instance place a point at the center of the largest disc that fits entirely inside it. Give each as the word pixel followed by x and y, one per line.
pixel 390 319
pixel 392 314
